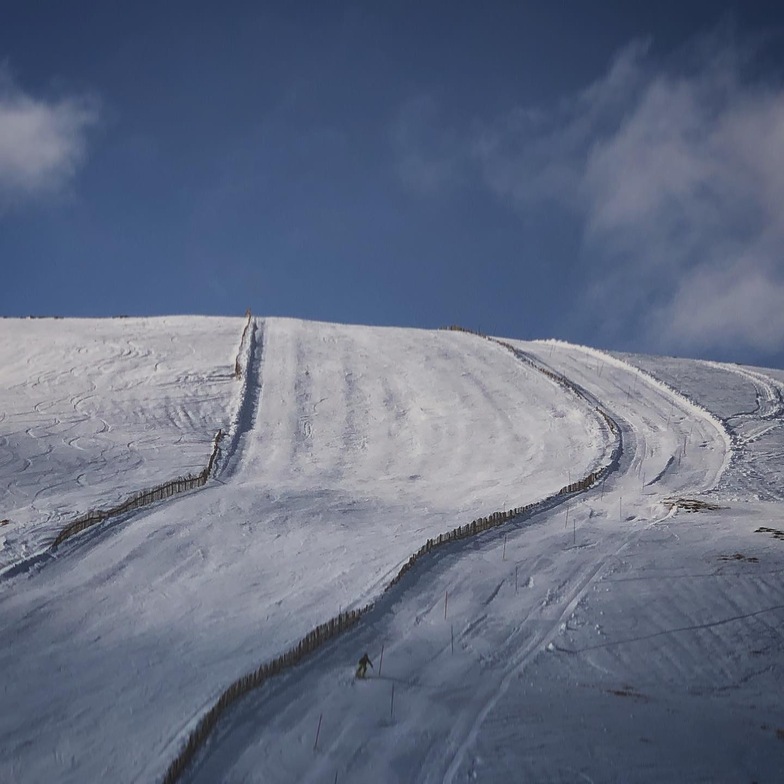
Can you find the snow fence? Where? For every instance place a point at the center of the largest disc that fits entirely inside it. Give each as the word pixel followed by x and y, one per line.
pixel 175 486
pixel 145 497
pixel 345 620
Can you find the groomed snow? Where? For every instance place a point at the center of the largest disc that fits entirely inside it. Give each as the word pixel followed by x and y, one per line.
pixel 622 640
pixel 614 637
pixel 362 443
pixel 750 402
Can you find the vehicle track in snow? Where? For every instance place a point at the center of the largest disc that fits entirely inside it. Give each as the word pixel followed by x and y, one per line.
pixel 768 414
pixel 758 455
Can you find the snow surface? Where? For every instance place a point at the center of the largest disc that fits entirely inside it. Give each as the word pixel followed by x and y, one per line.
pixel 612 638
pixel 94 411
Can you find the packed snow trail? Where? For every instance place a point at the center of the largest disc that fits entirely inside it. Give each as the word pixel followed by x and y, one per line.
pixel 365 443
pixel 509 597
pixel 669 668
pixel 754 415
pixel 660 463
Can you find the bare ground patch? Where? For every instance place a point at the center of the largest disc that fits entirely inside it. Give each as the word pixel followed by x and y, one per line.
pixel 740 557
pixel 774 532
pixel 692 504
pixel 628 691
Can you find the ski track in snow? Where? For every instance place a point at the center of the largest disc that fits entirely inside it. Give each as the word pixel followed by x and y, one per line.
pixel 753 418
pixel 638 435
pixel 95 411
pixel 241 747
pixel 312 519
pixel 611 616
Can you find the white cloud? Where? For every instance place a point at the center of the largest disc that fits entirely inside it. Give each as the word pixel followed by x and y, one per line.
pixel 742 305
pixel 42 143
pixel 677 173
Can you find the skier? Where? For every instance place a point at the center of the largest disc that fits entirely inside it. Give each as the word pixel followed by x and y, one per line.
pixel 363 665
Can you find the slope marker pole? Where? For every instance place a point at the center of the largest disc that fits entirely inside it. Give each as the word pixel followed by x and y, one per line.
pixel 381 660
pixel 318 731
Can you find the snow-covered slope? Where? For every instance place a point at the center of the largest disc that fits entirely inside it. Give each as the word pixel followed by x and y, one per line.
pixel 93 411
pixel 590 641
pixel 364 443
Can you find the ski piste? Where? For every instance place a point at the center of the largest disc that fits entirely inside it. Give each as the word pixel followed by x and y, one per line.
pixel 616 614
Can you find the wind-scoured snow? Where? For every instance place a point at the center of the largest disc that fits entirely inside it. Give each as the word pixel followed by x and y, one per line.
pixel 356 446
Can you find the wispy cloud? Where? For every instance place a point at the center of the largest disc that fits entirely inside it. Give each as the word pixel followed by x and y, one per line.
pixel 42 142
pixel 676 171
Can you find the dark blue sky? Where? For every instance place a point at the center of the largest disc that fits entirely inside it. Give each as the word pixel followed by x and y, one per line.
pixel 588 171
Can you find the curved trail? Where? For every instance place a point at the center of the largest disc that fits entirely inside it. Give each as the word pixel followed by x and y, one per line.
pixel 181 765
pixel 523 589
pixel 760 454
pixel 409 433
pixel 750 403
pixel 769 413
pixel 649 449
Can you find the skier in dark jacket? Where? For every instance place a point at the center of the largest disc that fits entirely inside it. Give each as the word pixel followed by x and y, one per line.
pixel 363 665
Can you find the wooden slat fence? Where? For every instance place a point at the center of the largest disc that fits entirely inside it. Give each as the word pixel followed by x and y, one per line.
pixel 144 498
pixel 167 489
